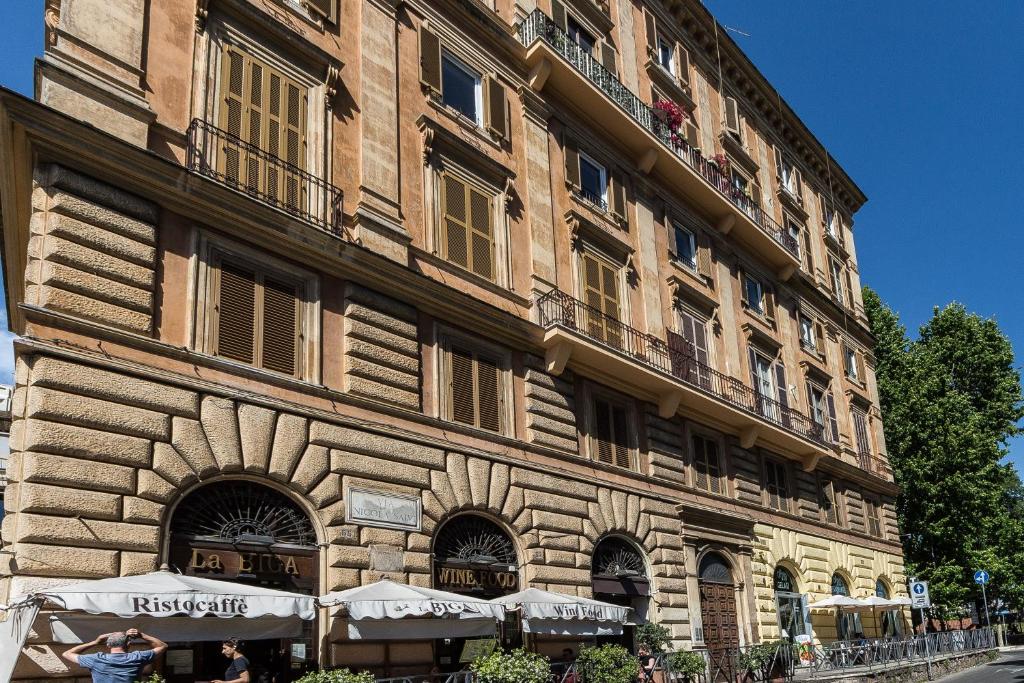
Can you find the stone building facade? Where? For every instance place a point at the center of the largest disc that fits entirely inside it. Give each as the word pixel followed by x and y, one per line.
pixel 458 257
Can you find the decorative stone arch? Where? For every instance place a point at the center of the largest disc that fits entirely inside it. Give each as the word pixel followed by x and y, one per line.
pixel 499 555
pixel 885 583
pixel 630 542
pixel 800 585
pixel 847 578
pixel 735 571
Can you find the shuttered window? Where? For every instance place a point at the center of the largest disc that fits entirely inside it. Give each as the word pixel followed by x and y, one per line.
pixel 257 317
pixel 266 109
pixel 475 388
pixel 874 525
pixel 827 501
pixel 775 485
pixel 467 226
pixel 860 431
pixel 601 294
pixel 707 466
pixel 610 432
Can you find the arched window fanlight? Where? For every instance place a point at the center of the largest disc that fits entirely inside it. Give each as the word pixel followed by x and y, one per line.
pixel 616 557
pixel 474 540
pixel 242 511
pixel 714 569
pixel 839 586
pixel 881 590
pixel 783 580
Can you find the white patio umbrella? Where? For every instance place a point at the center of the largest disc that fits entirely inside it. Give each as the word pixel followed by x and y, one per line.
pixel 550 613
pixel 386 610
pixel 840 602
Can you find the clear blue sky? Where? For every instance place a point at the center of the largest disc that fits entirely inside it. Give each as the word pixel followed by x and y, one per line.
pixel 919 100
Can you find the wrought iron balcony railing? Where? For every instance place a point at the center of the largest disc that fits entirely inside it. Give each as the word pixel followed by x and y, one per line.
pixel 874 465
pixel 538 26
pixel 677 358
pixel 226 158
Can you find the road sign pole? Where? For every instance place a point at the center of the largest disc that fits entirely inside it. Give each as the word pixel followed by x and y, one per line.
pixel 985 600
pixel 927 648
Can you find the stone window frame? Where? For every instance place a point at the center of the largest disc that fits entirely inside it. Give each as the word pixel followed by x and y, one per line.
pixel 208 70
pixel 208 249
pixel 693 429
pixel 446 337
pixel 586 420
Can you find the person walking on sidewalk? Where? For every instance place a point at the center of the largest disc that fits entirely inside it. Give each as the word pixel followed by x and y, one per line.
pixel 117 665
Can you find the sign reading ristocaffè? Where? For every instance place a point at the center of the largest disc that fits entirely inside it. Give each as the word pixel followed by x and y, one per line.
pixel 383 509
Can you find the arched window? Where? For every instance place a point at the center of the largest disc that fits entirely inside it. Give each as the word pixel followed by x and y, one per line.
pixel 889 620
pixel 714 569
pixel 783 580
pixel 790 606
pixel 616 557
pixel 848 624
pixel 881 590
pixel 839 586
pixel 473 555
pixel 619 575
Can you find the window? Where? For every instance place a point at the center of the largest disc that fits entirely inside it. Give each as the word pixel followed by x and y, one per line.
pixel 807 338
pixel 827 501
pixel 787 176
pixel 257 316
pixel 860 430
pixel 461 88
pixel 847 623
pixel 890 619
pixel 823 411
pixel 740 183
pixel 707 466
pixel 794 619
pixel 829 220
pixel 850 362
pixel 874 525
pixel 666 55
pixel 836 274
pixel 600 280
pixel 754 293
pixel 686 246
pixel 580 35
pixel 793 229
pixel 762 374
pixel 610 431
pixel 467 226
pixel 733 120
pixel 775 485
pixel 266 109
pixel 593 181
pixel 473 382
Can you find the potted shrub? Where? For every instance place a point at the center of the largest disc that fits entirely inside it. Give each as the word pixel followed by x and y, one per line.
pixel 760 660
pixel 653 636
pixel 517 666
pixel 607 664
pixel 337 676
pixel 686 663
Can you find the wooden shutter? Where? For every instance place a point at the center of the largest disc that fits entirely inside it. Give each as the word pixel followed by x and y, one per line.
pixel 769 301
pixel 620 428
pixel 608 55
pixel 328 9
pixel 828 501
pixel 456 220
pixel 752 357
pixel 558 14
pixel 236 313
pixel 673 247
pixel 280 339
pixel 691 134
pixel 683 64
pixel 488 380
pixel 780 385
pixel 704 266
pixel 618 196
pixel 861 373
pixel 430 60
pixel 652 32
pixel 481 223
pixel 463 391
pixel 819 337
pixel 808 257
pixel 732 116
pixel 706 465
pixel 232 107
pixel 699 338
pixel 744 298
pixel 601 292
pixel 823 210
pixel 778 165
pixel 496 113
pixel 572 163
pixel 860 430
pixel 832 421
pixel 849 287
pixel 611 433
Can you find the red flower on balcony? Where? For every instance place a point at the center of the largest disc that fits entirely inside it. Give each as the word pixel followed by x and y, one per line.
pixel 673 116
pixel 722 162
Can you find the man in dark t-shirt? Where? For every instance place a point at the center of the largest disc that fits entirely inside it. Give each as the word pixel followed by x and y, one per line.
pixel 117 665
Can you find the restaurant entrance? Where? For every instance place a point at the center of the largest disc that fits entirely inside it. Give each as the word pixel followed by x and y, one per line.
pixel 246 533
pixel 619 576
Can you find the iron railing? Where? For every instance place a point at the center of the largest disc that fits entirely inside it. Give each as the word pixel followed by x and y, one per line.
pixel 538 26
pixel 874 465
pixel 226 158
pixel 677 358
pixel 592 198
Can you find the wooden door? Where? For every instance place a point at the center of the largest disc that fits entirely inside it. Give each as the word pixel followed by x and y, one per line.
pixel 721 627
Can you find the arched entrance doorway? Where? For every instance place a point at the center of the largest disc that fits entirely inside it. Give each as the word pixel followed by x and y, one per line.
pixel 790 606
pixel 474 556
pixel 248 533
pixel 619 575
pixel 847 623
pixel 718 613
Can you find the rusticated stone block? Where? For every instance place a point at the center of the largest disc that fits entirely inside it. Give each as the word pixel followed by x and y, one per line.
pixel 73 279
pixel 539 500
pixel 57 250
pixel 101 239
pixel 256 426
pixel 290 439
pixel 87 533
pixel 353 556
pixel 220 423
pixel 93 214
pixel 49 404
pixel 56 373
pixel 68 502
pixel 90 308
pixel 90 444
pixel 360 441
pixel 189 440
pixel 154 487
pixel 554 521
pixel 60 471
pixel 379 469
pixel 313 466
pixel 142 511
pixel 51 560
pixel 102 194
pixel 326 492
pixel 561 575
pixel 553 484
pixel 133 563
pixel 170 465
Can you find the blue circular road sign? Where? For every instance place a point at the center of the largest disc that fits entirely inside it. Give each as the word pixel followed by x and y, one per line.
pixel 981 576
pixel 919 588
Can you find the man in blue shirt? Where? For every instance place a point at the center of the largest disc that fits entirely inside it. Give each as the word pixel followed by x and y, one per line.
pixel 118 665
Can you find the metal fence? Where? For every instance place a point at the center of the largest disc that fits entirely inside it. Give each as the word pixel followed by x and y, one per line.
pixel 226 158
pixel 677 357
pixel 538 26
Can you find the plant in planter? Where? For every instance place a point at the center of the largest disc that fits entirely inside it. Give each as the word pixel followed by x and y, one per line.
pixel 607 664
pixel 672 115
pixel 722 162
pixel 517 666
pixel 654 636
pixel 760 661
pixel 337 676
pixel 686 663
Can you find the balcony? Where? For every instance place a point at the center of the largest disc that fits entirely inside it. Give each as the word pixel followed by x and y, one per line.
pixel 267 178
pixel 875 466
pixel 670 370
pixel 557 63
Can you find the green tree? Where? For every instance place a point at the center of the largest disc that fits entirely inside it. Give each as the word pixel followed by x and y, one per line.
pixel 950 401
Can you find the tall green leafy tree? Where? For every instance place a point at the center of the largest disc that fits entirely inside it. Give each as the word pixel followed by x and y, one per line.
pixel 950 401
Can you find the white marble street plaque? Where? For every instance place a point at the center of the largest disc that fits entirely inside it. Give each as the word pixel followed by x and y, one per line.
pixel 382 509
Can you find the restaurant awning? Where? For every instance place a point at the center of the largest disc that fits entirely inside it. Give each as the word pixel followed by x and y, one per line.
pixel 550 613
